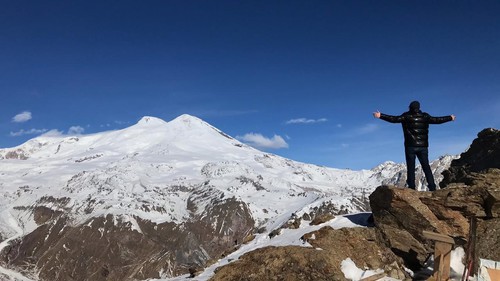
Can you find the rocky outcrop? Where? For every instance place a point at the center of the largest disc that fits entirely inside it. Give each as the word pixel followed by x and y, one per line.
pixel 320 262
pixel 400 215
pixel 470 189
pixel 484 153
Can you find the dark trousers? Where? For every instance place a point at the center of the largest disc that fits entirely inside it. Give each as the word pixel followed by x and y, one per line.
pixel 423 157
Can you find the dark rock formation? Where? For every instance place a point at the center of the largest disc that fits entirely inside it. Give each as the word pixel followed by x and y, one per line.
pixel 484 153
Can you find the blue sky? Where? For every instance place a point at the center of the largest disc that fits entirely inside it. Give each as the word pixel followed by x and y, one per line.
pixel 297 78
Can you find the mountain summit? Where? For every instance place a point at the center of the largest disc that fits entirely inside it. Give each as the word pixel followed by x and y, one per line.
pixel 167 195
pixel 149 120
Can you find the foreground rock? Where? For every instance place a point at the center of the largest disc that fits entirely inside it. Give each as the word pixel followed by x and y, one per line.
pixel 400 215
pixel 321 262
pixel 470 189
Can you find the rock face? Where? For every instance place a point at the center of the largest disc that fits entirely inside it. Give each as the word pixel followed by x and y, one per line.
pixel 483 153
pixel 402 214
pixel 321 262
pixel 126 247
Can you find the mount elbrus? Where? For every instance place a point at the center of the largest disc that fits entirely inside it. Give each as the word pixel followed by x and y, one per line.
pixel 156 199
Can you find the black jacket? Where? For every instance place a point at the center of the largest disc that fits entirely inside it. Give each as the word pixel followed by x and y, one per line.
pixel 415 126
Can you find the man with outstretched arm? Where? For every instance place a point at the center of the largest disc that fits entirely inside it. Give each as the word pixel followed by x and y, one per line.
pixel 416 134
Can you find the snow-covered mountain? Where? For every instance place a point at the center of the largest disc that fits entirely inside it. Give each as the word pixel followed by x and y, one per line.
pixel 183 179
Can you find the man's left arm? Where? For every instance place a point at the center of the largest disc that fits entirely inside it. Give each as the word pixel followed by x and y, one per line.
pixel 441 119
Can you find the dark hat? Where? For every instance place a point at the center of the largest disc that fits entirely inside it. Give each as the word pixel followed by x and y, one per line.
pixel 415 106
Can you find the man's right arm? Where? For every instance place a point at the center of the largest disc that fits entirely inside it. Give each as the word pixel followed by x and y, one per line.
pixel 391 118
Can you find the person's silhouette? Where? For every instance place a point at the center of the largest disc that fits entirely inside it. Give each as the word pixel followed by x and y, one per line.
pixel 416 134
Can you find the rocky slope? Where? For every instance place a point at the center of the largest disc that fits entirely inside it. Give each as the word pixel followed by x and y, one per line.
pixel 157 199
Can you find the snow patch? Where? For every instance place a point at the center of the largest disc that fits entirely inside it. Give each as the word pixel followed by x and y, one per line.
pixel 352 272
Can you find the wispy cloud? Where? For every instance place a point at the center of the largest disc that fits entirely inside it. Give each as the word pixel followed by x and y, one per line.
pixel 358 132
pixel 22 117
pixel 261 142
pixel 73 130
pixel 53 133
pixel 223 112
pixel 76 130
pixel 114 123
pixel 306 121
pixel 23 132
pixel 118 122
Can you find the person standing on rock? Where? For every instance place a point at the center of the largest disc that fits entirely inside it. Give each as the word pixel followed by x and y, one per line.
pixel 416 134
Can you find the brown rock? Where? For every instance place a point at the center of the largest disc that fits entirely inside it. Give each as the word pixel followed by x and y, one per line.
pixel 322 262
pixel 402 214
pixel 488 240
pixel 322 219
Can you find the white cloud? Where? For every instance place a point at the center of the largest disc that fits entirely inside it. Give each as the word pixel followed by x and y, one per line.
pixel 23 132
pixel 53 133
pixel 306 121
pixel 22 117
pixel 76 130
pixel 259 141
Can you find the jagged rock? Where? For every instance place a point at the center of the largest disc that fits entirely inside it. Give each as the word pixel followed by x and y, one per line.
pixel 488 240
pixel 483 153
pixel 322 262
pixel 321 219
pixel 16 154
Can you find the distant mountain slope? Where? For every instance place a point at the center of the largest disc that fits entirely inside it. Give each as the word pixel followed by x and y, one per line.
pixel 183 190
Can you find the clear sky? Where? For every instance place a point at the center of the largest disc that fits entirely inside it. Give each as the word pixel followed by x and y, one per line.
pixel 297 78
